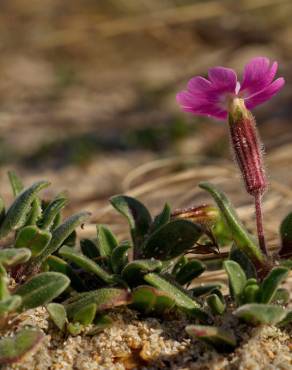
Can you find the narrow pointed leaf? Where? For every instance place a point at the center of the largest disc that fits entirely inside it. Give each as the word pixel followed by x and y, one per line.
pixel 57 264
pixel 216 305
pixel 189 271
pixel 134 271
pixel 60 234
pixel 218 338
pixel 10 304
pixel 89 248
pixel 41 289
pixel 286 237
pixel 271 283
pixel 15 182
pixel 14 256
pixel 35 212
pixel 2 210
pixel 181 298
pixel 33 238
pixel 104 299
pixel 137 215
pixel 161 219
pixel 57 314
pixel 106 241
pixel 204 289
pixel 17 213
pixel 257 313
pixel 172 240
pixel 287 319
pixel 86 314
pixel 243 260
pixel 237 279
pixel 51 211
pixel 4 280
pixel 242 238
pixel 119 257
pixel 85 263
pixel 13 349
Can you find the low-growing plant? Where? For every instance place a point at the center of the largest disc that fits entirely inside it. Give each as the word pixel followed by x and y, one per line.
pixel 153 272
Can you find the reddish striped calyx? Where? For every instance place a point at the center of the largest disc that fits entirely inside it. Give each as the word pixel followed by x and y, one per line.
pixel 247 147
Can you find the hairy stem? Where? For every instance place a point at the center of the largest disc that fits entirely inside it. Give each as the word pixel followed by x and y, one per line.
pixel 259 221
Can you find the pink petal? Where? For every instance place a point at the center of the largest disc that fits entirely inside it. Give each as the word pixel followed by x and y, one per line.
pixel 223 79
pixel 199 84
pixel 257 75
pixel 265 94
pixel 200 106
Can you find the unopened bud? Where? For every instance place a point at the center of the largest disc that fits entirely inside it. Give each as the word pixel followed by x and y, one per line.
pixel 247 147
pixel 203 215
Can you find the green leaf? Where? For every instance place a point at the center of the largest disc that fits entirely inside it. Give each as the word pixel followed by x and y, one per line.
pixel 216 304
pixel 2 210
pixel 218 338
pixel 161 219
pixel 15 182
pixel 14 256
pixel 17 213
pixel 33 238
pixel 189 271
pixel 35 212
pixel 57 264
pixel 172 240
pixel 181 298
pixel 12 349
pixel 57 314
pixel 51 212
pixel 281 297
pixel 137 215
pixel 242 259
pixel 4 280
pixel 286 263
pixel 270 284
pixel 101 322
pixel 105 298
pixel 237 279
pixel 180 262
pixel 74 328
pixel 89 248
pixel 119 257
pixel 85 263
pixel 60 234
pixel 250 293
pixel 257 313
pixel 86 314
pixel 106 241
pixel 242 238
pixel 286 237
pixel 147 299
pixel 204 289
pixel 10 304
pixel 134 271
pixel 287 320
pixel 41 289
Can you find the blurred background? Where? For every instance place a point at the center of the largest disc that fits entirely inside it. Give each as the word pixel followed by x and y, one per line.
pixel 87 94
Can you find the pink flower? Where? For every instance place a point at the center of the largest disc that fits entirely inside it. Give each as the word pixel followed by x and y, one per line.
pixel 212 97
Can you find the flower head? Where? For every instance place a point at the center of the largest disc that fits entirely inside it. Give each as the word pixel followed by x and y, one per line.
pixel 212 97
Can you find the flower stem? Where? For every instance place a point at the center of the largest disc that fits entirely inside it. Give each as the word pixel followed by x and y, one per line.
pixel 259 221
